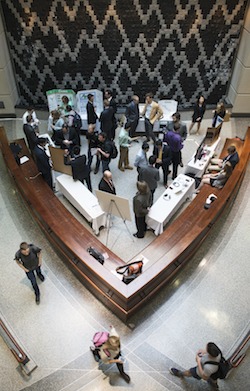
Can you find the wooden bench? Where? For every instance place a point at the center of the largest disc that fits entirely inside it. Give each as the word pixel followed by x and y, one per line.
pixel 167 253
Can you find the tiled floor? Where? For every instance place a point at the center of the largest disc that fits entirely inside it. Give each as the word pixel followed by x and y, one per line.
pixel 207 301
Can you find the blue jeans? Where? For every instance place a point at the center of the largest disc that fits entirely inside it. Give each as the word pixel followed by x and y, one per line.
pixel 31 276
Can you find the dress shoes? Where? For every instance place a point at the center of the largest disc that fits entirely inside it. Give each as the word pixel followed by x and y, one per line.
pixel 181 164
pixel 96 171
pixel 138 237
pixel 128 168
pixel 121 168
pixel 37 300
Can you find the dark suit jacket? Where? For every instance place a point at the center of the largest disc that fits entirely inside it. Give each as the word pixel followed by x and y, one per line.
pixel 106 119
pixel 132 112
pixel 31 136
pixel 91 114
pixel 73 136
pixel 42 160
pixel 103 186
pixel 166 155
pixel 150 175
pixel 80 170
pixel 233 159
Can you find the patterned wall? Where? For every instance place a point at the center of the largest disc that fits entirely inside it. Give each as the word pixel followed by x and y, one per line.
pixel 175 48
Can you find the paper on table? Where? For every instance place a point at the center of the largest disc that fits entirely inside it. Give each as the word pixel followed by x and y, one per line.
pixel 24 159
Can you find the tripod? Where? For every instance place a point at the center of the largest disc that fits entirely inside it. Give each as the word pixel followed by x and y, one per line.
pixel 113 204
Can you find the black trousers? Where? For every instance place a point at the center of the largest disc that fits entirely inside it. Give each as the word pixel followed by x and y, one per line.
pixel 141 226
pixel 149 130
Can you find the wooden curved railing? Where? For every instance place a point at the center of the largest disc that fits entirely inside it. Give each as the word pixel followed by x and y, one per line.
pixel 166 254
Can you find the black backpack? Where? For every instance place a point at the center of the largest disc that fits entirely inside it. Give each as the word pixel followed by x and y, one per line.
pixel 114 151
pixel 77 121
pixel 224 367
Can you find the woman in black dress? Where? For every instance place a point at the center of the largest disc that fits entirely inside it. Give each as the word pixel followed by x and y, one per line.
pixel 199 110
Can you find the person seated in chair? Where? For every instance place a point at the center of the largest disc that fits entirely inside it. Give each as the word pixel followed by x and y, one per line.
pixel 218 179
pixel 232 157
pixel 66 138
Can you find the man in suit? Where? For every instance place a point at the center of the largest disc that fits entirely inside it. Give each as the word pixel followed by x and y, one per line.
pixel 78 162
pixel 106 120
pixel 106 183
pixel 132 114
pixel 112 103
pixel 31 135
pixel 43 161
pixel 152 112
pixel 164 159
pixel 91 114
pixel 66 138
pixel 150 175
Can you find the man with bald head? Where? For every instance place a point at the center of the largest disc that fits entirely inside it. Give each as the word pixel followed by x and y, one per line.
pixel 132 114
pixel 106 183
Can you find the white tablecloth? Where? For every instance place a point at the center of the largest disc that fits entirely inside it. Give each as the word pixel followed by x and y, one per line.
pixel 169 202
pixel 82 199
pixel 199 167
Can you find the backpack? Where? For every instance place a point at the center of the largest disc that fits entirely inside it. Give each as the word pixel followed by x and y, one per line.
pixel 77 121
pixel 100 338
pixel 224 367
pixel 114 151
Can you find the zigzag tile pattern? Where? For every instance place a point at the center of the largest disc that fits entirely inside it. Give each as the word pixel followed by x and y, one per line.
pixel 175 48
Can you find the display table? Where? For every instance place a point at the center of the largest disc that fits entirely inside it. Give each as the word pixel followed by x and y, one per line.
pixel 169 202
pixel 169 107
pixel 83 200
pixel 198 167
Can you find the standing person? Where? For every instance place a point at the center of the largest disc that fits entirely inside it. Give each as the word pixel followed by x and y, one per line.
pixel 112 103
pixel 74 121
pixel 106 120
pixel 104 152
pixel 110 352
pixel 29 258
pixel 199 111
pixel 80 170
pixel 34 120
pixel 152 112
pixel 132 114
pixel 150 174
pixel 173 139
pixel 124 142
pixel 141 159
pixel 92 138
pixel 141 205
pixel 180 128
pixel 164 159
pixel 30 133
pixel 43 161
pixel 106 183
pixel 220 111
pixel 204 370
pixel 91 114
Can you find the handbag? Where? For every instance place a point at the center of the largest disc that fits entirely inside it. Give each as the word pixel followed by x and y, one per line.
pixel 130 271
pixel 96 254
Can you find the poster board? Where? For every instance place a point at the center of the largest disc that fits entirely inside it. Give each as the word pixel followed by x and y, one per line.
pixel 57 157
pixel 82 100
pixel 105 200
pixel 55 98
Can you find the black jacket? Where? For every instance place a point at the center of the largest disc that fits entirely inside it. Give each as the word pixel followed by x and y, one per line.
pixel 91 114
pixel 80 170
